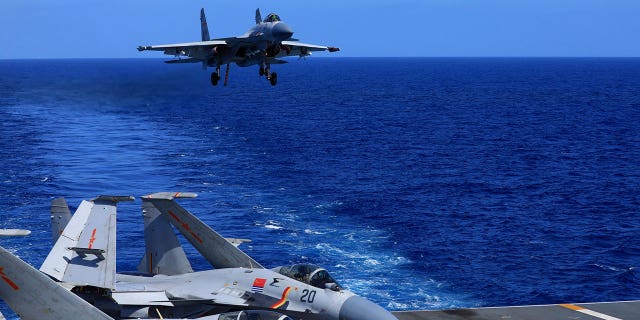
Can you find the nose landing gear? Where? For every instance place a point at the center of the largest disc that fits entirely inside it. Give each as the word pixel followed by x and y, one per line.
pixel 273 78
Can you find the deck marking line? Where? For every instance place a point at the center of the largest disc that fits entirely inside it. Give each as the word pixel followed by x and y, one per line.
pixel 589 312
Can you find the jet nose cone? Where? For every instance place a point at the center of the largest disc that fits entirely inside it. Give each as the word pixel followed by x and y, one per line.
pixel 358 308
pixel 282 31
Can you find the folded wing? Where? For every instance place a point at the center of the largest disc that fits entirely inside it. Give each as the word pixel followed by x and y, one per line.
pixel 33 295
pixel 85 252
pixel 220 252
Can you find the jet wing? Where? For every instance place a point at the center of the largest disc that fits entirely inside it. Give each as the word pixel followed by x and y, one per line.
pixel 304 49
pixel 33 295
pixel 216 249
pixel 85 252
pixel 243 40
pixel 191 49
pixel 583 311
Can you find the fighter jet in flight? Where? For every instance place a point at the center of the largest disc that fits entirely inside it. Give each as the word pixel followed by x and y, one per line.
pixel 264 44
pixel 78 279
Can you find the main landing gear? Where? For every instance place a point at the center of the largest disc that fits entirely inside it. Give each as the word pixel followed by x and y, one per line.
pixel 215 76
pixel 271 76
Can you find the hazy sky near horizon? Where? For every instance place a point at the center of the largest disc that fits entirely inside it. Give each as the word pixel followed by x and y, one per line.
pixel 361 28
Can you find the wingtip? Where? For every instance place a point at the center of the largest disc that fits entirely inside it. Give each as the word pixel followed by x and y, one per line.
pixel 14 232
pixel 170 195
pixel 333 49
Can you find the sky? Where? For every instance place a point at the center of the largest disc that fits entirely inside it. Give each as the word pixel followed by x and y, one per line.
pixel 361 28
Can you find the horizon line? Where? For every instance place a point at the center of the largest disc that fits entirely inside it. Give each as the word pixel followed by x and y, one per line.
pixel 349 57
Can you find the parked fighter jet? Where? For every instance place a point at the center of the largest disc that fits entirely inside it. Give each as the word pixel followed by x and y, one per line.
pixel 264 44
pixel 78 278
pixel 83 261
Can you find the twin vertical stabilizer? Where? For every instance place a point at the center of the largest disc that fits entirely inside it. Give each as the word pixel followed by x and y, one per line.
pixel 258 16
pixel 204 29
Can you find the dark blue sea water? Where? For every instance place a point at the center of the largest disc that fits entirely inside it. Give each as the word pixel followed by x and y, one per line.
pixel 419 183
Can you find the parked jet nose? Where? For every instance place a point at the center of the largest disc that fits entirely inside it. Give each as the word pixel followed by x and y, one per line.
pixel 359 308
pixel 281 31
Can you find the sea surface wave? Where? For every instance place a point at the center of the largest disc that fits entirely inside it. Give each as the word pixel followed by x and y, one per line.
pixel 419 183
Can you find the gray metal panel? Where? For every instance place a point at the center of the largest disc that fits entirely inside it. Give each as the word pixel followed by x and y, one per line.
pixel 164 254
pixel 98 233
pixel 60 216
pixel 74 258
pixel 591 311
pixel 216 249
pixel 142 298
pixel 33 295
pixel 56 262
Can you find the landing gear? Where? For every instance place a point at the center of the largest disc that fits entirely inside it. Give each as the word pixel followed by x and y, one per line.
pixel 271 77
pixel 215 76
pixel 214 79
pixel 226 76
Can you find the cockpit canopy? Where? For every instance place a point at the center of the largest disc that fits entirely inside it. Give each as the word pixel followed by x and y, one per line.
pixel 272 17
pixel 310 274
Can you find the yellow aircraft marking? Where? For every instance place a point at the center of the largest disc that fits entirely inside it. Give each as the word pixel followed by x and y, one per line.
pixel 589 312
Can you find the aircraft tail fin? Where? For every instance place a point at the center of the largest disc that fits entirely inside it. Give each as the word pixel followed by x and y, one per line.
pixel 220 252
pixel 204 28
pixel 85 253
pixel 164 254
pixel 60 216
pixel 33 295
pixel 258 16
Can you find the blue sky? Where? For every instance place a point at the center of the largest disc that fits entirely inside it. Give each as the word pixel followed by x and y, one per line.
pixel 430 28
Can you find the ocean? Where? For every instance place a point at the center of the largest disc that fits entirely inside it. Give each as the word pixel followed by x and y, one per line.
pixel 419 183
